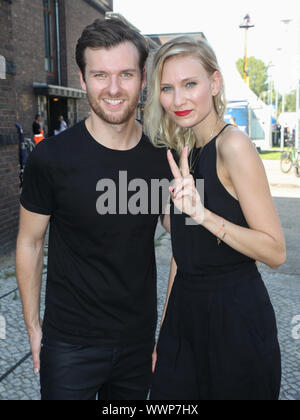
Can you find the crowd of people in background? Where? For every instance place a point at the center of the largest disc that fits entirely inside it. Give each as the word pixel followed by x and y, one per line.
pixel 38 135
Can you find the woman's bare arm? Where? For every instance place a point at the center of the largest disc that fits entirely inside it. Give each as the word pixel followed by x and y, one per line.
pixel 264 240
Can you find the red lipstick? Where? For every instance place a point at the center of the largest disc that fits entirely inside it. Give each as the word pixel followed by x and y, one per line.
pixel 183 113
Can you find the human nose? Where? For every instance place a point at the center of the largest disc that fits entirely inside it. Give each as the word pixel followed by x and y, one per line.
pixel 179 98
pixel 114 88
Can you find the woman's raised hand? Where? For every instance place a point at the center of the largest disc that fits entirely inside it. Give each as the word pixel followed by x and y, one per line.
pixel 185 194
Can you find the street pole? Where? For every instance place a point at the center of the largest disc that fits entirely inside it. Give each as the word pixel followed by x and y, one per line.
pixel 297 132
pixel 246 25
pixel 271 91
pixel 286 22
pixel 246 77
pixel 282 125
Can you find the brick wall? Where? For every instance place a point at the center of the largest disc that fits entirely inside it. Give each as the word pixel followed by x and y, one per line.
pixel 9 198
pixel 29 47
pixel 22 43
pixel 79 14
pixel 7 92
pixel 9 182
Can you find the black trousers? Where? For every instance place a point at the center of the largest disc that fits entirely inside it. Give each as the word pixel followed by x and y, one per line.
pixel 74 372
pixel 219 340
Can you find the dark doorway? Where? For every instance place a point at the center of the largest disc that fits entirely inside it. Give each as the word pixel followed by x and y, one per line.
pixel 57 106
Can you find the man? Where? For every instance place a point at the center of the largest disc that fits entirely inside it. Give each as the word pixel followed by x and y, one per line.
pixel 100 318
pixel 36 126
pixel 38 132
pixel 62 125
pixel 22 149
pixel 22 145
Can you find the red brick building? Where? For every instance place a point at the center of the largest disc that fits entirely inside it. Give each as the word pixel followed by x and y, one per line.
pixel 37 44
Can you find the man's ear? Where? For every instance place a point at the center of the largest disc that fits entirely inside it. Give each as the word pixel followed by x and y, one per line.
pixel 82 81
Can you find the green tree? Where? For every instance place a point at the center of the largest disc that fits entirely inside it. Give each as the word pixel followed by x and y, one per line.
pixel 290 102
pixel 258 73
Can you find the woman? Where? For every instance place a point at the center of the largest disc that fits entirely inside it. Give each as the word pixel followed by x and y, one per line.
pixel 218 339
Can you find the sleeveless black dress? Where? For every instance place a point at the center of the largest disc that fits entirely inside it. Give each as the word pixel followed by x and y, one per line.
pixel 219 337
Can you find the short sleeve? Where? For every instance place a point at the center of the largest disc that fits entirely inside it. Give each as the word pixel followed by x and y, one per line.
pixel 37 194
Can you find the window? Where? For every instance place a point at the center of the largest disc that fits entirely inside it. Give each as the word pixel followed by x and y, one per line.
pixel 48 36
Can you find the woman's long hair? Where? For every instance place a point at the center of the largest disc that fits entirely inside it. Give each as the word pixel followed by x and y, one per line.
pixel 162 131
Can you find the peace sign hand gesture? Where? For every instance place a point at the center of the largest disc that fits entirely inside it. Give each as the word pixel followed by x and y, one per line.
pixel 185 194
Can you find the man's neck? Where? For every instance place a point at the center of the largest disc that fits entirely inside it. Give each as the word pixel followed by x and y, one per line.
pixel 115 136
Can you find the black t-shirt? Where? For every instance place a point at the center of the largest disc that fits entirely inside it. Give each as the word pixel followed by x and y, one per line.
pixel 36 128
pixel 101 283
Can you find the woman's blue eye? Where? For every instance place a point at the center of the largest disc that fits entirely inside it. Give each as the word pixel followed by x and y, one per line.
pixel 191 84
pixel 166 89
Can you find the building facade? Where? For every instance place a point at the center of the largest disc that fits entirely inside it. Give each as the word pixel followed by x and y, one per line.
pixel 38 75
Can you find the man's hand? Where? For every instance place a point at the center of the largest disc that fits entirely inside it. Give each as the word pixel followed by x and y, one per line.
pixel 35 339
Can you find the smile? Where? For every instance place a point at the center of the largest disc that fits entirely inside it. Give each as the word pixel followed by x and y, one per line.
pixel 114 102
pixel 183 113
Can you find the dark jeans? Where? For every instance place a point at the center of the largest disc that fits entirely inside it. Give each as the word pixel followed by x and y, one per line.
pixel 75 372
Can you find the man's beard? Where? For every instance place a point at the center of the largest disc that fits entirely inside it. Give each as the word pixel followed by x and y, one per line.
pixel 115 118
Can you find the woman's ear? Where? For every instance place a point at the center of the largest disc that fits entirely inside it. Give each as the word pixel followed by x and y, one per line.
pixel 144 79
pixel 216 83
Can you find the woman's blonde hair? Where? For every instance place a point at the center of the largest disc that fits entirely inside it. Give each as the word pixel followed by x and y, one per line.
pixel 162 131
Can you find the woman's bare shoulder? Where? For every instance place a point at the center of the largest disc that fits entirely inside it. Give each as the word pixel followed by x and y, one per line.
pixel 234 143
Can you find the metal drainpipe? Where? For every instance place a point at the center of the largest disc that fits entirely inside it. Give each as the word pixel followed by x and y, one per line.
pixel 58 42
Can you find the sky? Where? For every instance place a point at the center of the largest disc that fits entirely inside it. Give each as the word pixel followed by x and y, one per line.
pixel 271 40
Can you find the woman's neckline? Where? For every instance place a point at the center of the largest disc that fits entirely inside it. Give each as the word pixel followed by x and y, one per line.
pixel 213 139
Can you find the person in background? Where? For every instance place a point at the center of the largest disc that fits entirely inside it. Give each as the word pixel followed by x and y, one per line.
pixel 22 149
pixel 38 132
pixel 62 125
pixel 22 145
pixel 233 122
pixel 36 126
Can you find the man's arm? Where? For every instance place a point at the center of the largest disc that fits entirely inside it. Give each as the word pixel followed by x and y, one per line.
pixel 29 268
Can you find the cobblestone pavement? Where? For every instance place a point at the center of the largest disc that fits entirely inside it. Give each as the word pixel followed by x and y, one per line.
pixel 283 286
pixel 21 384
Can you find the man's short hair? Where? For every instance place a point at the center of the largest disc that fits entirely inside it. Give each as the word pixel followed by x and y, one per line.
pixel 108 34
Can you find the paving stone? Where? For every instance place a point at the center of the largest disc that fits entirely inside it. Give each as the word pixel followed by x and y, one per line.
pixel 22 384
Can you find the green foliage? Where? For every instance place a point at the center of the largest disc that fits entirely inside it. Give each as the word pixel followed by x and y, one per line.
pixel 267 155
pixel 258 73
pixel 290 102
